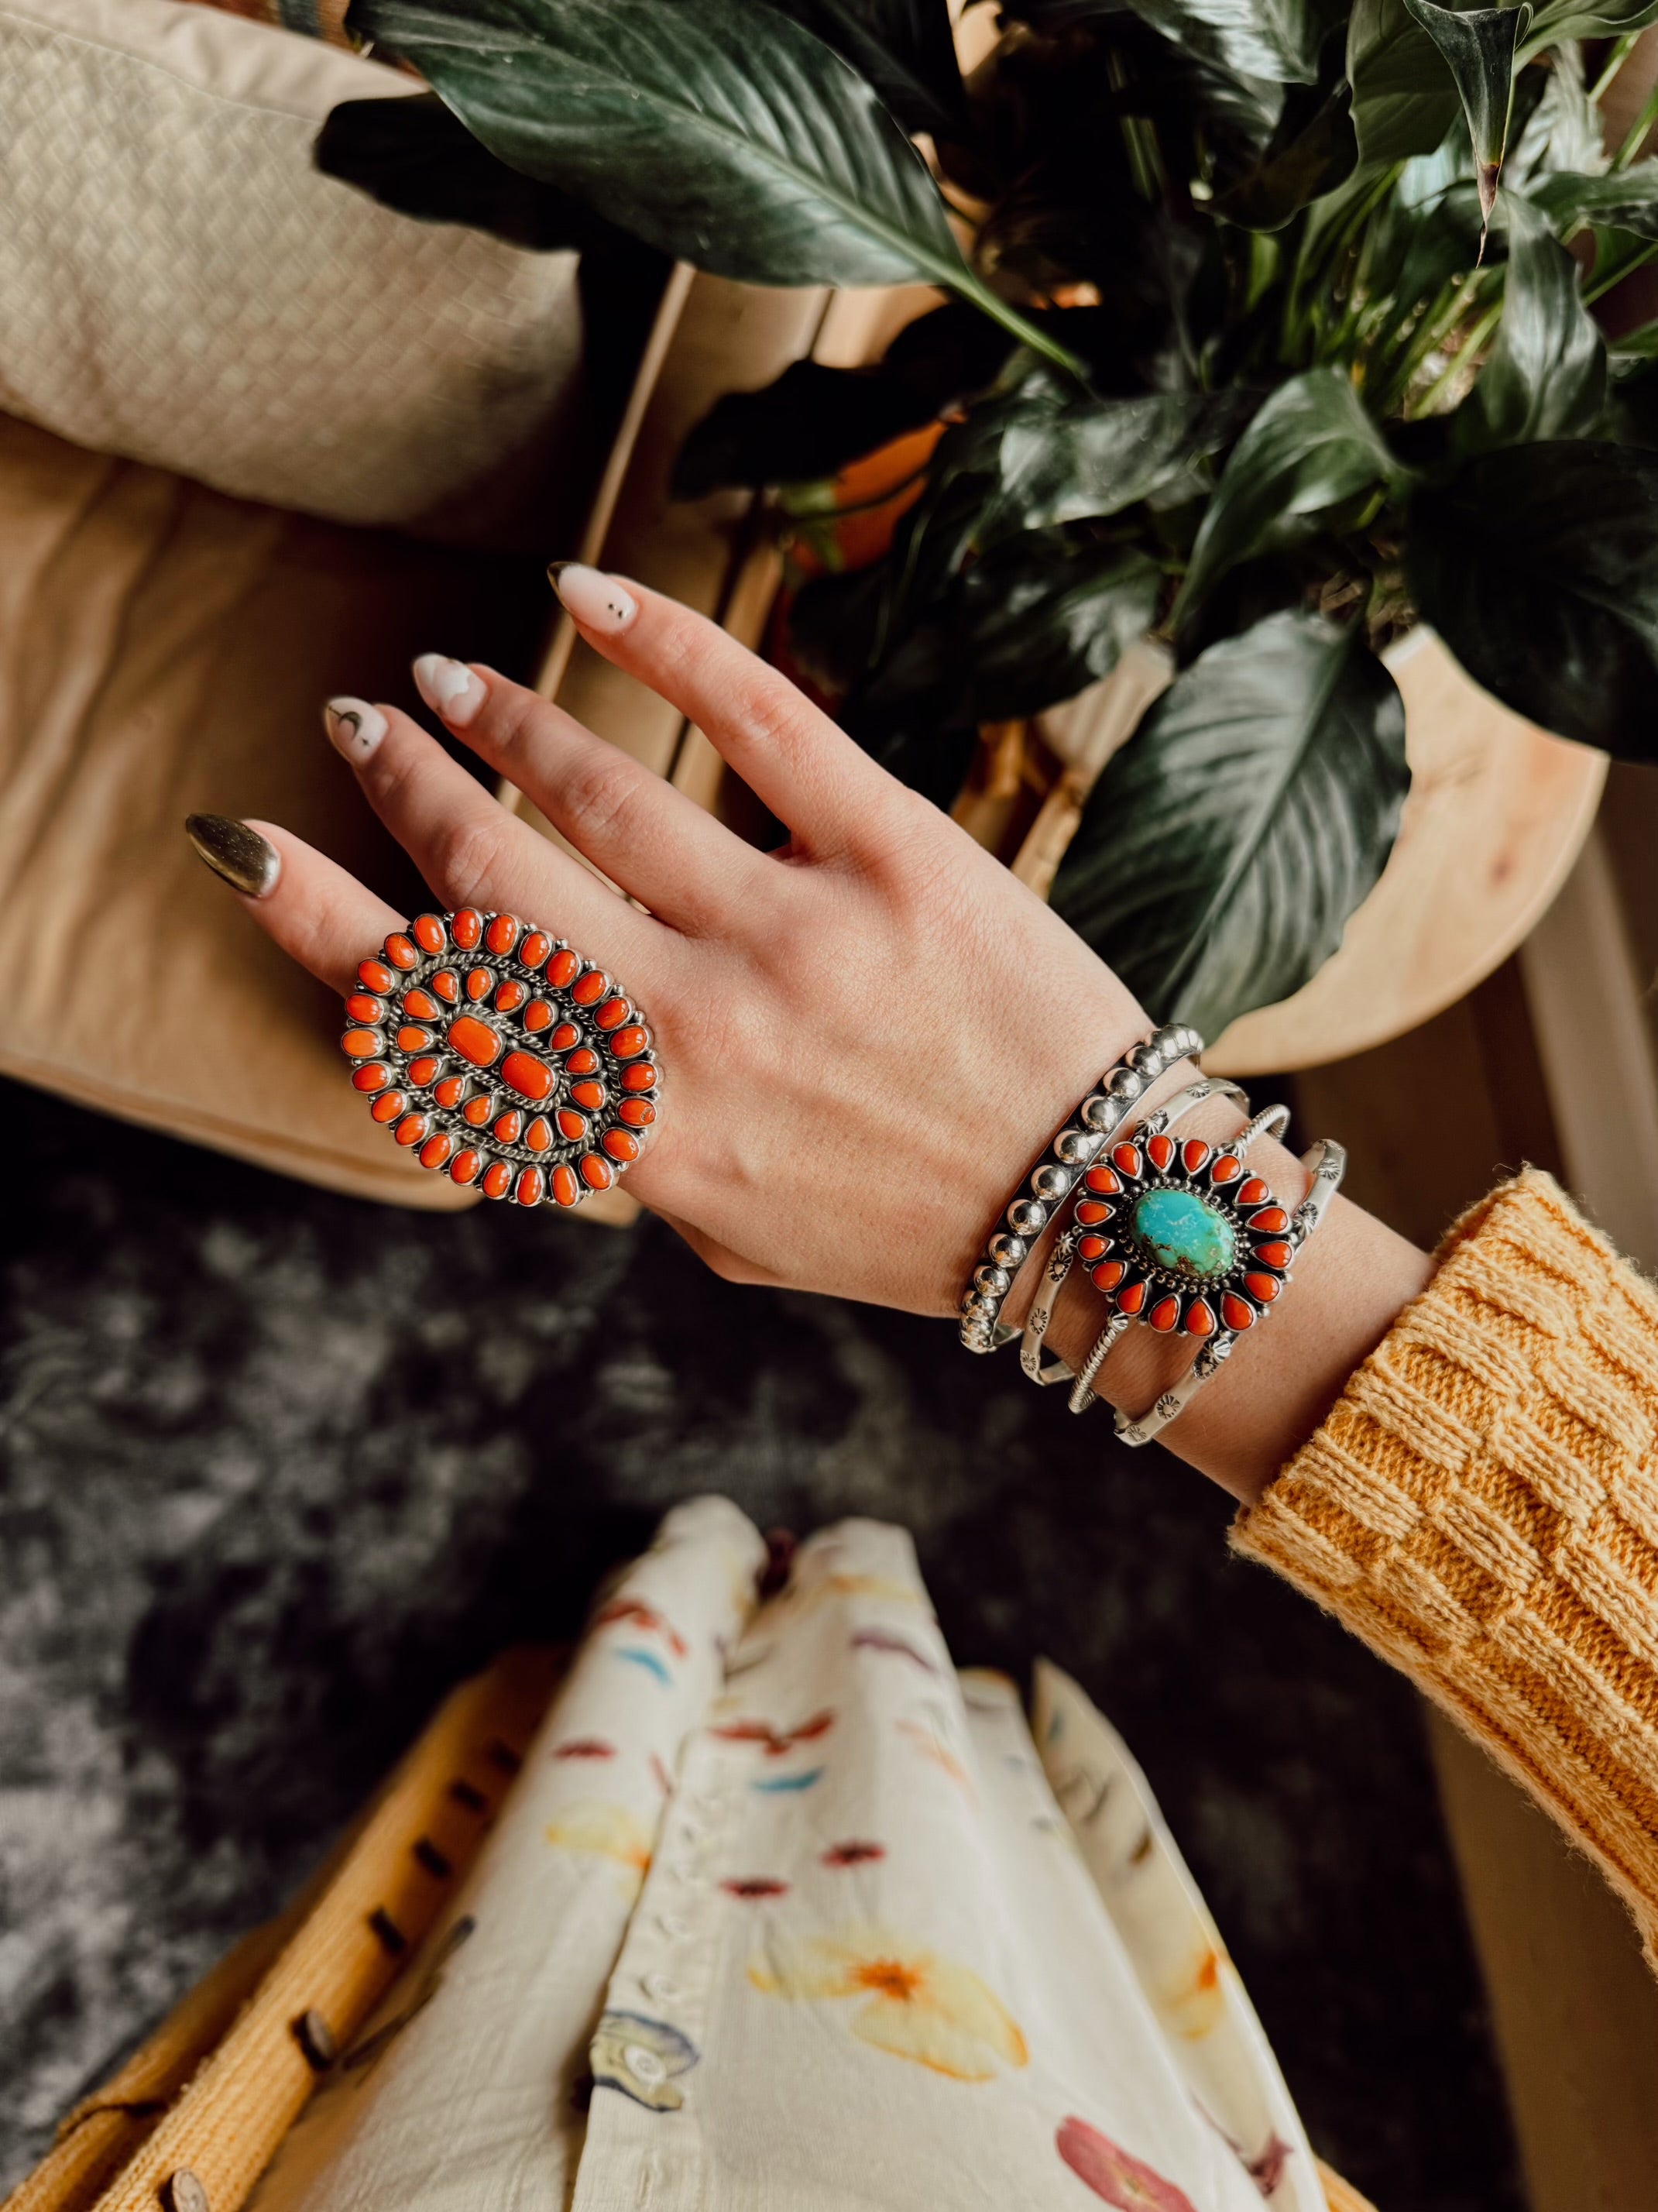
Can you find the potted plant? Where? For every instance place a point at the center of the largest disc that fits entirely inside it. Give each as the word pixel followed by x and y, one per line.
pixel 1266 330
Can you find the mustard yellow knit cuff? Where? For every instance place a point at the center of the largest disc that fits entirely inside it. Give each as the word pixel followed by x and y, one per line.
pixel 1480 1505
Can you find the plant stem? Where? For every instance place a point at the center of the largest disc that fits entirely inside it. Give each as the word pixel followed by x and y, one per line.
pixel 1616 276
pixel 1470 346
pixel 1620 53
pixel 974 288
pixel 1638 130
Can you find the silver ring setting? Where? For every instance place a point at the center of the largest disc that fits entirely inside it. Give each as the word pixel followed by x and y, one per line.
pixel 502 1057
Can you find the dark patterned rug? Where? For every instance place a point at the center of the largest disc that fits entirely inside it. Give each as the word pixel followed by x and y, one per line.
pixel 276 1467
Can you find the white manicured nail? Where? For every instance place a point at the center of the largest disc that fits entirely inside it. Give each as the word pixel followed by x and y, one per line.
pixel 355 728
pixel 596 601
pixel 449 688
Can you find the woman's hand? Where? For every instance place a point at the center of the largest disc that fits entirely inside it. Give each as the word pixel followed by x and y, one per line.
pixel 867 1035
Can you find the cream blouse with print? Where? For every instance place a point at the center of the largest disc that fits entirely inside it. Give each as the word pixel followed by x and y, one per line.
pixel 785 1912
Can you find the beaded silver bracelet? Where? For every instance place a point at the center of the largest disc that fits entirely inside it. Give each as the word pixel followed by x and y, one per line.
pixel 1095 1123
pixel 1079 1232
pixel 1325 1163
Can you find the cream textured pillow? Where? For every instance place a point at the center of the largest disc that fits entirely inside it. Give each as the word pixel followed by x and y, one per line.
pixel 178 285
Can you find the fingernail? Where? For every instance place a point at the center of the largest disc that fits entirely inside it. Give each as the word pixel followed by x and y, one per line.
pixel 245 860
pixel 596 601
pixel 355 728
pixel 449 688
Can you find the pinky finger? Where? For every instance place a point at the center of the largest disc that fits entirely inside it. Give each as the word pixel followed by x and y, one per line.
pixel 319 915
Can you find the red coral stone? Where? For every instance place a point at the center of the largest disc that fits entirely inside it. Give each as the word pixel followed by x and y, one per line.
pixel 1237 1313
pixel 637 1113
pixel 621 1144
pixel 1108 1274
pixel 479 983
pixel 1089 1210
pixel 573 1125
pixel 362 1044
pixel 597 1174
pixel 371 1075
pixel 362 1008
pixel 436 1150
pixel 511 995
pixel 530 1076
pixel 564 1036
pixel 497 1179
pixel 463 1167
pixel 451 1091
pixel 590 987
pixel 535 948
pixel 1263 1288
pixel 539 1135
pixel 1227 1168
pixel 1103 1180
pixel 412 1129
pixel 477 1111
pixel 1160 1151
pixel 389 1105
pixel 1127 1158
pixel 428 932
pixel 509 1127
pixel 502 934
pixel 562 968
pixel 589 1095
pixel 375 975
pixel 536 1015
pixel 420 1005
pixel 1194 1153
pixel 468 928
pixel 1130 1298
pixel 447 984
pixel 639 1079
pixel 612 1014
pixel 625 1043
pixel 422 1071
pixel 565 1190
pixel 1199 1319
pixel 1090 1248
pixel 583 1062
pixel 1271 1221
pixel 1273 1255
pixel 531 1185
pixel 412 1038
pixel 1253 1193
pixel 400 950
pixel 1163 1316
pixel 474 1040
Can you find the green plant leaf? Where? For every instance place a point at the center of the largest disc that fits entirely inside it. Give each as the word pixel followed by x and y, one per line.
pixel 1274 39
pixel 1314 149
pixel 1404 102
pixel 1625 200
pixel 716 129
pixel 1312 446
pixel 1557 21
pixel 1547 375
pixel 1538 565
pixel 1040 620
pixel 1221 851
pixel 1094 458
pixel 413 154
pixel 1479 45
pixel 904 47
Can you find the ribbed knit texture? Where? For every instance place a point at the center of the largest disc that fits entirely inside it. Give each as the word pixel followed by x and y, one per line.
pixel 1481 1506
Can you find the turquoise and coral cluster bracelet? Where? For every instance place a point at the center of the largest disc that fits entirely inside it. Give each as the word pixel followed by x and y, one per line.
pixel 1176 1234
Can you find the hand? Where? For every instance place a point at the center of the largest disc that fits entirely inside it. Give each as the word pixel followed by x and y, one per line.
pixel 867 1035
pixel 864 1036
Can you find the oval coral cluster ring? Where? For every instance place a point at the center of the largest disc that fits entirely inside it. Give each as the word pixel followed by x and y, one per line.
pixel 500 1056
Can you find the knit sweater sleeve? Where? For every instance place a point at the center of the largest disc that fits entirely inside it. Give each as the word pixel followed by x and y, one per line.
pixel 1480 1505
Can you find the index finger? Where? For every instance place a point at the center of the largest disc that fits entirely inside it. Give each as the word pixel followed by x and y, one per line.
pixel 816 779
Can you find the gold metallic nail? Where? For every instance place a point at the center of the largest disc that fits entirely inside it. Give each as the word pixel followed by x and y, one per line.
pixel 232 850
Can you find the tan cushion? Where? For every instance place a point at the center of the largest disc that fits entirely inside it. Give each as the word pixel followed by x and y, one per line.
pixel 181 286
pixel 164 649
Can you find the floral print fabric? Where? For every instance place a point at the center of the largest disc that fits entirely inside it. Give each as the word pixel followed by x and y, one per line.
pixel 785 1912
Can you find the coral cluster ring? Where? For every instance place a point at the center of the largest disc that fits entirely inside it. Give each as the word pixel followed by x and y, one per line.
pixel 1183 1236
pixel 502 1057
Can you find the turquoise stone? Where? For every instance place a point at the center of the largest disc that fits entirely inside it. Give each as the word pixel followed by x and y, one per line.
pixel 1184 1235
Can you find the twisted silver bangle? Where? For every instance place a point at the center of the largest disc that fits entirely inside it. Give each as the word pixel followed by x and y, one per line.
pixel 1095 1123
pixel 1063 1256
